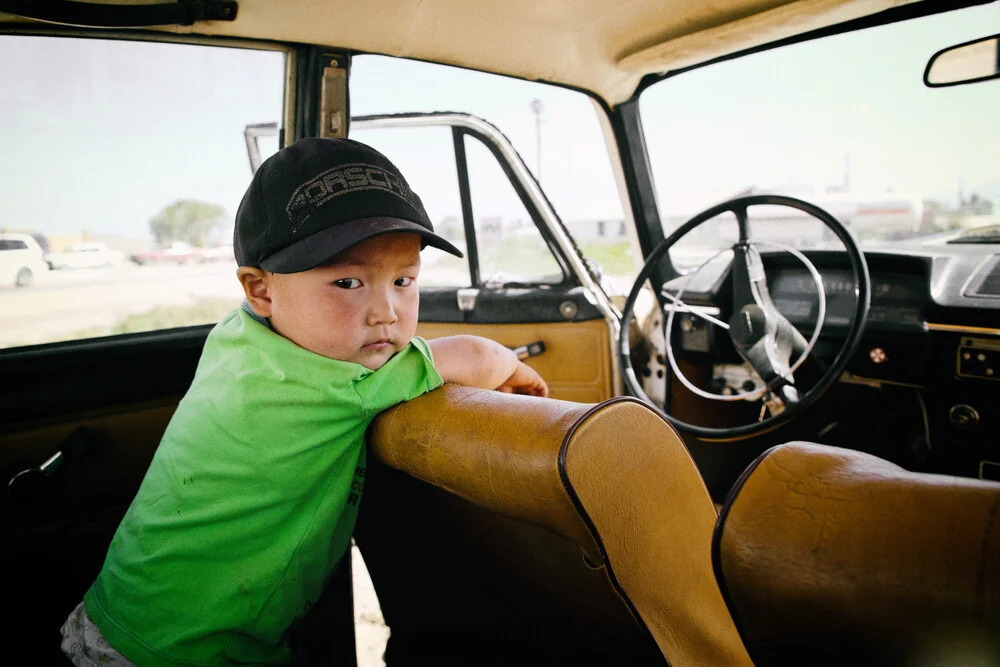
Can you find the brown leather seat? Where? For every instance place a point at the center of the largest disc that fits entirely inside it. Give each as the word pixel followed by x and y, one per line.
pixel 829 556
pixel 522 486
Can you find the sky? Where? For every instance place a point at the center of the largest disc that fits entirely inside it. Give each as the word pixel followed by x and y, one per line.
pixel 101 136
pixel 806 115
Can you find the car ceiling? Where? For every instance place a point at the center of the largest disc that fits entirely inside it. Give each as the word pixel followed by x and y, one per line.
pixel 596 45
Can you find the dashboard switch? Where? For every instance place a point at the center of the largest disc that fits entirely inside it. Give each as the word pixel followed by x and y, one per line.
pixel 978 358
pixel 878 355
pixel 963 417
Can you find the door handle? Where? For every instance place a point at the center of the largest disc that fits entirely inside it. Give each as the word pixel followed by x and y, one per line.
pixel 529 350
pixel 32 484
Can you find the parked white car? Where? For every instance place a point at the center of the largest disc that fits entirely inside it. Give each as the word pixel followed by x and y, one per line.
pixel 85 255
pixel 21 260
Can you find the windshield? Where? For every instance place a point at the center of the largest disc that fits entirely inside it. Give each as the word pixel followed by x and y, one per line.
pixel 844 122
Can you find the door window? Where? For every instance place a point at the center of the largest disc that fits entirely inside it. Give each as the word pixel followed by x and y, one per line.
pixel 510 247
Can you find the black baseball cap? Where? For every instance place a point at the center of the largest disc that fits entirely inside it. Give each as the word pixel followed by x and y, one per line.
pixel 315 199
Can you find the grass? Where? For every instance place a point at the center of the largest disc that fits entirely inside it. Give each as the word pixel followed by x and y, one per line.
pixel 203 311
pixel 519 258
pixel 528 258
pixel 615 259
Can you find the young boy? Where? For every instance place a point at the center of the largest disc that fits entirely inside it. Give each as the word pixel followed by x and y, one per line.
pixel 251 497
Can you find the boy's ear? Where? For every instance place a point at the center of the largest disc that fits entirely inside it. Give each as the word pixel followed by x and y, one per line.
pixel 257 288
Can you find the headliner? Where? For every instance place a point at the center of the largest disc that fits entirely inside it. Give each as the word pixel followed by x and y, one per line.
pixel 601 46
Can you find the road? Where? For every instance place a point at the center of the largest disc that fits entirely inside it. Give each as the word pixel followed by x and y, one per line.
pixel 370 630
pixel 61 303
pixel 83 303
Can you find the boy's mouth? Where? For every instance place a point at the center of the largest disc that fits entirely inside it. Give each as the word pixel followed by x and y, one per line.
pixel 379 344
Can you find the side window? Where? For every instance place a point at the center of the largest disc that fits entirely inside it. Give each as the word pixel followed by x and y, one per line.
pixel 126 162
pixel 510 247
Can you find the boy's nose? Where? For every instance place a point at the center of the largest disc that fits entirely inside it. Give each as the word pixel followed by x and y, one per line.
pixel 382 310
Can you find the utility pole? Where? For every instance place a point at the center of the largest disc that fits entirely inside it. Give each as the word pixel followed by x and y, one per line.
pixel 537 108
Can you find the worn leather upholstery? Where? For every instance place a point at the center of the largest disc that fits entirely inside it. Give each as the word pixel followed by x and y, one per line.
pixel 829 556
pixel 612 478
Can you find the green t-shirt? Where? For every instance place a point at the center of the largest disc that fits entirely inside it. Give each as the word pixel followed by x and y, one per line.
pixel 249 502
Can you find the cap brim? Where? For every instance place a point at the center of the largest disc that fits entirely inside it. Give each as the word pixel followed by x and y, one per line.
pixel 324 245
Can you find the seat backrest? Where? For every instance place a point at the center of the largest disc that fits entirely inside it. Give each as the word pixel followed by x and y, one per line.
pixel 829 556
pixel 594 513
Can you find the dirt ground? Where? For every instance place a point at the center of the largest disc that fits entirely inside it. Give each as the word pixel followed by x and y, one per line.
pixel 369 626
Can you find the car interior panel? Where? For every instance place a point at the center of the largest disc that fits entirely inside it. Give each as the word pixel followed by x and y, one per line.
pixel 751 246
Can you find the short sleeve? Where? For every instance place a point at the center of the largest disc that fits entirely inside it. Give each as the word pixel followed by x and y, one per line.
pixel 424 348
pixel 410 373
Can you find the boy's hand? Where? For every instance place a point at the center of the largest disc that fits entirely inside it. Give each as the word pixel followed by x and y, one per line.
pixel 524 380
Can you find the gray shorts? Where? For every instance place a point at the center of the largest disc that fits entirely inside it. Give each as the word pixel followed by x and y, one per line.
pixel 86 646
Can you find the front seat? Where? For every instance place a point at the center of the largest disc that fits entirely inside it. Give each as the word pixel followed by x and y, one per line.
pixel 829 556
pixel 594 514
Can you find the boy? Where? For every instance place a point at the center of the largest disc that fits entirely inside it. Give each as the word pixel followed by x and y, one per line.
pixel 251 497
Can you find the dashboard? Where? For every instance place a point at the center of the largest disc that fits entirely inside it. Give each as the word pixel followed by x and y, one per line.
pixel 897 297
pixel 933 333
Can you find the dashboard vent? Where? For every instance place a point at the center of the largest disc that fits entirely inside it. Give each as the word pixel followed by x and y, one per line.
pixel 987 283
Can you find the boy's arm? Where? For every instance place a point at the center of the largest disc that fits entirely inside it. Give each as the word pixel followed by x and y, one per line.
pixel 480 362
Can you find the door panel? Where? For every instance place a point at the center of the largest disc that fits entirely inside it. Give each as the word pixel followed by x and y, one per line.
pixel 56 528
pixel 575 361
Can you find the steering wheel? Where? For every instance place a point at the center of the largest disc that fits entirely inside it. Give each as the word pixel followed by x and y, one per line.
pixel 762 336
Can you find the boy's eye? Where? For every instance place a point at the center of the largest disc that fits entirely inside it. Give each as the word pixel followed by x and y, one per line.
pixel 404 281
pixel 347 283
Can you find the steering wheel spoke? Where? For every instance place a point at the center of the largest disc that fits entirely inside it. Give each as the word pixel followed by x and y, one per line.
pixel 684 308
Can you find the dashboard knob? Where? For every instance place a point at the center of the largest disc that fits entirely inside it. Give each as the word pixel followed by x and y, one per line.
pixel 963 417
pixel 878 355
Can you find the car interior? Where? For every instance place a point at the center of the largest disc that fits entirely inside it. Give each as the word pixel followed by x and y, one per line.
pixel 771 436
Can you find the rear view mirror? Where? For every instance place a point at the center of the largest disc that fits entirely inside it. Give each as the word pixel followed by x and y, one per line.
pixel 965 63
